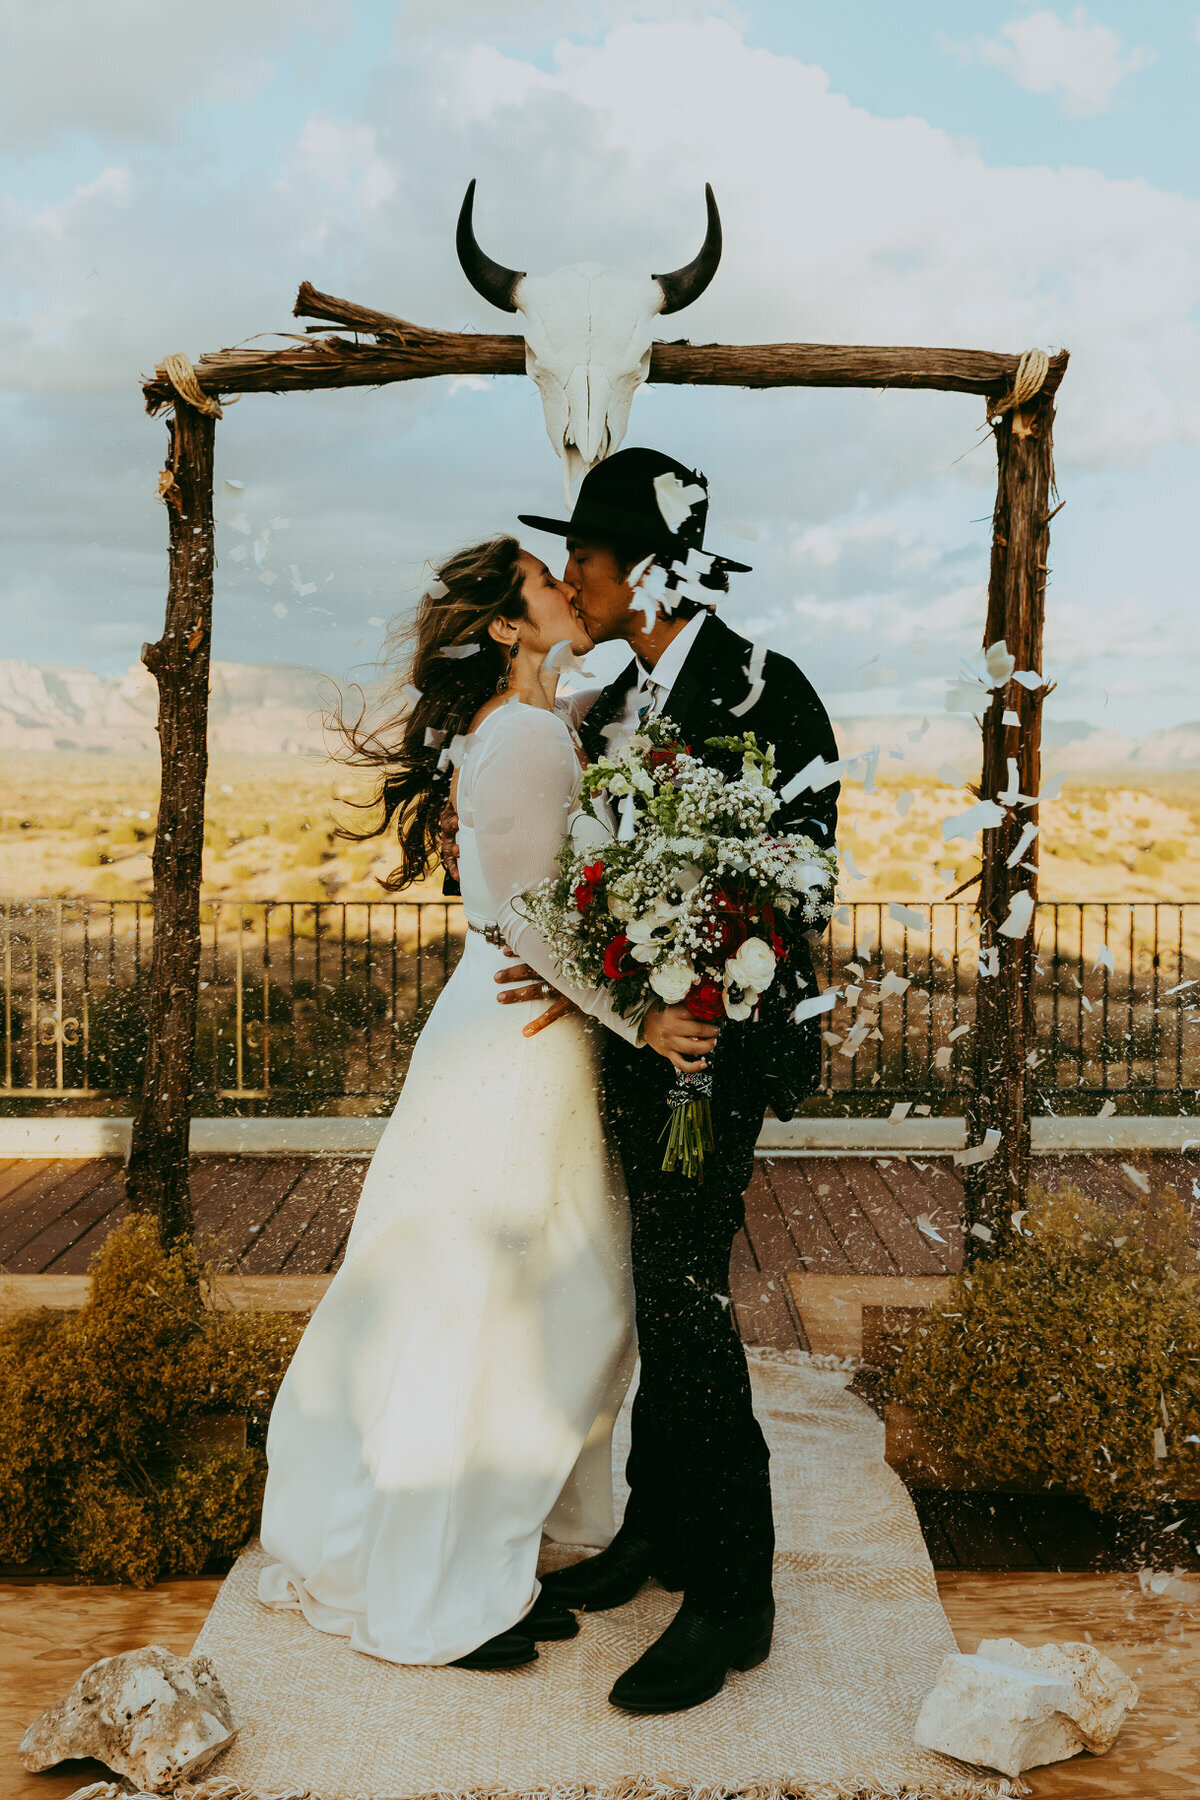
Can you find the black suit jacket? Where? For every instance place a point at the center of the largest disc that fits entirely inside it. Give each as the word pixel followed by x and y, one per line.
pixel 791 717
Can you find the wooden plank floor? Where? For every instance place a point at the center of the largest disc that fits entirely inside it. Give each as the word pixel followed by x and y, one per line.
pixel 50 1631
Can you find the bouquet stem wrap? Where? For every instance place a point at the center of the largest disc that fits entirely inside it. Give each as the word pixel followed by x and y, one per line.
pixel 689 1131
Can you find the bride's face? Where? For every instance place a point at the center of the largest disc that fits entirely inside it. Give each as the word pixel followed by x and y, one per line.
pixel 549 614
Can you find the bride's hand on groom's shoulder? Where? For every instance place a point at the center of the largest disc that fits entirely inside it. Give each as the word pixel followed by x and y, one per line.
pixel 686 1042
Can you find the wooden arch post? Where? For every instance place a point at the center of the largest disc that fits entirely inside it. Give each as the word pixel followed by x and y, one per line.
pixel 400 351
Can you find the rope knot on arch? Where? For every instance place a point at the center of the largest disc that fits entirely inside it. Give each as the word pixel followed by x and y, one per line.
pixel 1029 380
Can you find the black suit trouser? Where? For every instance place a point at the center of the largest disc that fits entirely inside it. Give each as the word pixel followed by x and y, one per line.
pixel 699 1485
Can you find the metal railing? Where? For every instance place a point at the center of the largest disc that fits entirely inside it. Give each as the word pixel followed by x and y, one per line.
pixel 310 1004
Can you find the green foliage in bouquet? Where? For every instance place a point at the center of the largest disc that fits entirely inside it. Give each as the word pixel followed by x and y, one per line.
pixel 96 1407
pixel 1072 1359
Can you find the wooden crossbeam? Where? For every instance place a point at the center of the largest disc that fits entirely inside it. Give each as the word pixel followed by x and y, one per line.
pixel 402 351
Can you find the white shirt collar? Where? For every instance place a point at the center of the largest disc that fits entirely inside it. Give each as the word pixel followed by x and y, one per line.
pixel 665 672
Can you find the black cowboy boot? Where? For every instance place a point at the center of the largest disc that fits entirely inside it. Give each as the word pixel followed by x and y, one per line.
pixel 689 1662
pixel 608 1579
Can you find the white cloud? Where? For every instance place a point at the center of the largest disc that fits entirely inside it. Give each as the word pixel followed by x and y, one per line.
pixel 1079 61
pixel 126 69
pixel 839 225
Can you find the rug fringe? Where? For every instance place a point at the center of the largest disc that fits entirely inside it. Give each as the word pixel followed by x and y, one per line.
pixel 635 1788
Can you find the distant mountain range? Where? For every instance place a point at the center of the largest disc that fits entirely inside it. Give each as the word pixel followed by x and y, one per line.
pixel 276 708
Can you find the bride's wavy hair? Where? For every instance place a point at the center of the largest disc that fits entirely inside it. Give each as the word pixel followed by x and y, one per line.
pixel 472 588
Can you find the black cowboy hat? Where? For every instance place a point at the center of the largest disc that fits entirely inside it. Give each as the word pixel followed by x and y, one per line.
pixel 617 503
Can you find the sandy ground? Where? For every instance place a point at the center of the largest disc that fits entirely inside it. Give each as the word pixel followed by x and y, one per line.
pixel 77 825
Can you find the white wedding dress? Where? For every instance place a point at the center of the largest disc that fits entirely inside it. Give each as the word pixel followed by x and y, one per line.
pixel 456 1388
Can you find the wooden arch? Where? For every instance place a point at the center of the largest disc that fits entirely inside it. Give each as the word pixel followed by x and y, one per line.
pixel 157 1175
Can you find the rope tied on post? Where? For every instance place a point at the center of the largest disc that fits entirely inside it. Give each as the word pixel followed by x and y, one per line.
pixel 177 369
pixel 1029 379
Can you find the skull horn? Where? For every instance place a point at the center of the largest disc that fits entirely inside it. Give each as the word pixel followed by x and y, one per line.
pixel 682 286
pixel 491 279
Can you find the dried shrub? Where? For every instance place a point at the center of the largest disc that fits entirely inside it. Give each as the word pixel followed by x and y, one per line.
pixel 96 1407
pixel 1072 1360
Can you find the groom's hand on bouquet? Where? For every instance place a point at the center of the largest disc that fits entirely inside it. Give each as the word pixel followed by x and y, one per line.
pixel 523 983
pixel 687 1043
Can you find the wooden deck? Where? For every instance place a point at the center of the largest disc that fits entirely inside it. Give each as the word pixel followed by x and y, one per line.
pixel 833 1216
pixel 50 1631
pixel 291 1215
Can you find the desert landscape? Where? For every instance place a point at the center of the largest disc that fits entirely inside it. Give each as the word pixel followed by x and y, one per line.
pixel 78 757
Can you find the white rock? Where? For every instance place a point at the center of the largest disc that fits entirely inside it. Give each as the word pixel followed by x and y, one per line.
pixel 1103 1692
pixel 1010 1707
pixel 151 1716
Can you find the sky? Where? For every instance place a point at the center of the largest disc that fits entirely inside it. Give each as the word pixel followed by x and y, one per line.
pixel 995 176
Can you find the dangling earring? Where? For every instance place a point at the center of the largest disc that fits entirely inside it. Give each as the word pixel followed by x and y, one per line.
pixel 502 684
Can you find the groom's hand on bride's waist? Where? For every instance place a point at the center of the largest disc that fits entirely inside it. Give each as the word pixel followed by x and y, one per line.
pixel 520 982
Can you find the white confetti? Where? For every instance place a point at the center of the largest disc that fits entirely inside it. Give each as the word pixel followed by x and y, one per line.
pixel 754 675
pixel 904 800
pixel 1012 792
pixel 915 736
pixel 376 621
pixel 1105 958
pixel 1107 1110
pixel 1050 790
pixel 675 502
pixel 437 589
pixel 434 739
pixel 238 553
pixel 879 678
pixel 1164 1586
pixel 1160 1444
pixel 904 915
pixel 978 1153
pixel 280 610
pixel 983 816
pixel 959 1031
pixel 239 522
pixel 1028 678
pixel 893 984
pixel 926 1224
pixel 1022 844
pixel 268 577
pixel 942 1056
pixel 1020 915
pixel 848 863
pixel 235 487
pixel 1017 1222
pixel 1140 1181
pixel 947 772
pixel 457 652
pixel 1009 717
pixel 818 1003
pixel 737 529
pixel 410 695
pixel 1179 989
pixel 900 1111
pixel 981 1231
pixel 999 663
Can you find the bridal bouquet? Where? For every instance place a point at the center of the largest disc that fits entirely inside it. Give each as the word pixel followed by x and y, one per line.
pixel 673 887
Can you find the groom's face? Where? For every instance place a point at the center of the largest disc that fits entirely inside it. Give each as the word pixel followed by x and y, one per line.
pixel 598 575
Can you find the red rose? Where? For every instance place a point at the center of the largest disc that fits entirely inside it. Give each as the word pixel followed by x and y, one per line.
pixel 706 1002
pixel 616 961
pixel 725 934
pixel 662 761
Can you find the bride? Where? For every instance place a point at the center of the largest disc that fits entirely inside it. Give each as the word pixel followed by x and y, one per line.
pixel 455 1391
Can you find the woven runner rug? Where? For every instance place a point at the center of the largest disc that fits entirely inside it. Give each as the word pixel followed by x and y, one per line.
pixel 859 1639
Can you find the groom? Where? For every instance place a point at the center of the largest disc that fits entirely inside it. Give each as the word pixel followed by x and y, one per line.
pixel 699 1512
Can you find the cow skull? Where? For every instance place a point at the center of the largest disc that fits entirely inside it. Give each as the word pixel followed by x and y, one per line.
pixel 587 334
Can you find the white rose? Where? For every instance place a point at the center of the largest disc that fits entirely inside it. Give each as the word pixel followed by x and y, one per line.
pixel 753 966
pixel 672 982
